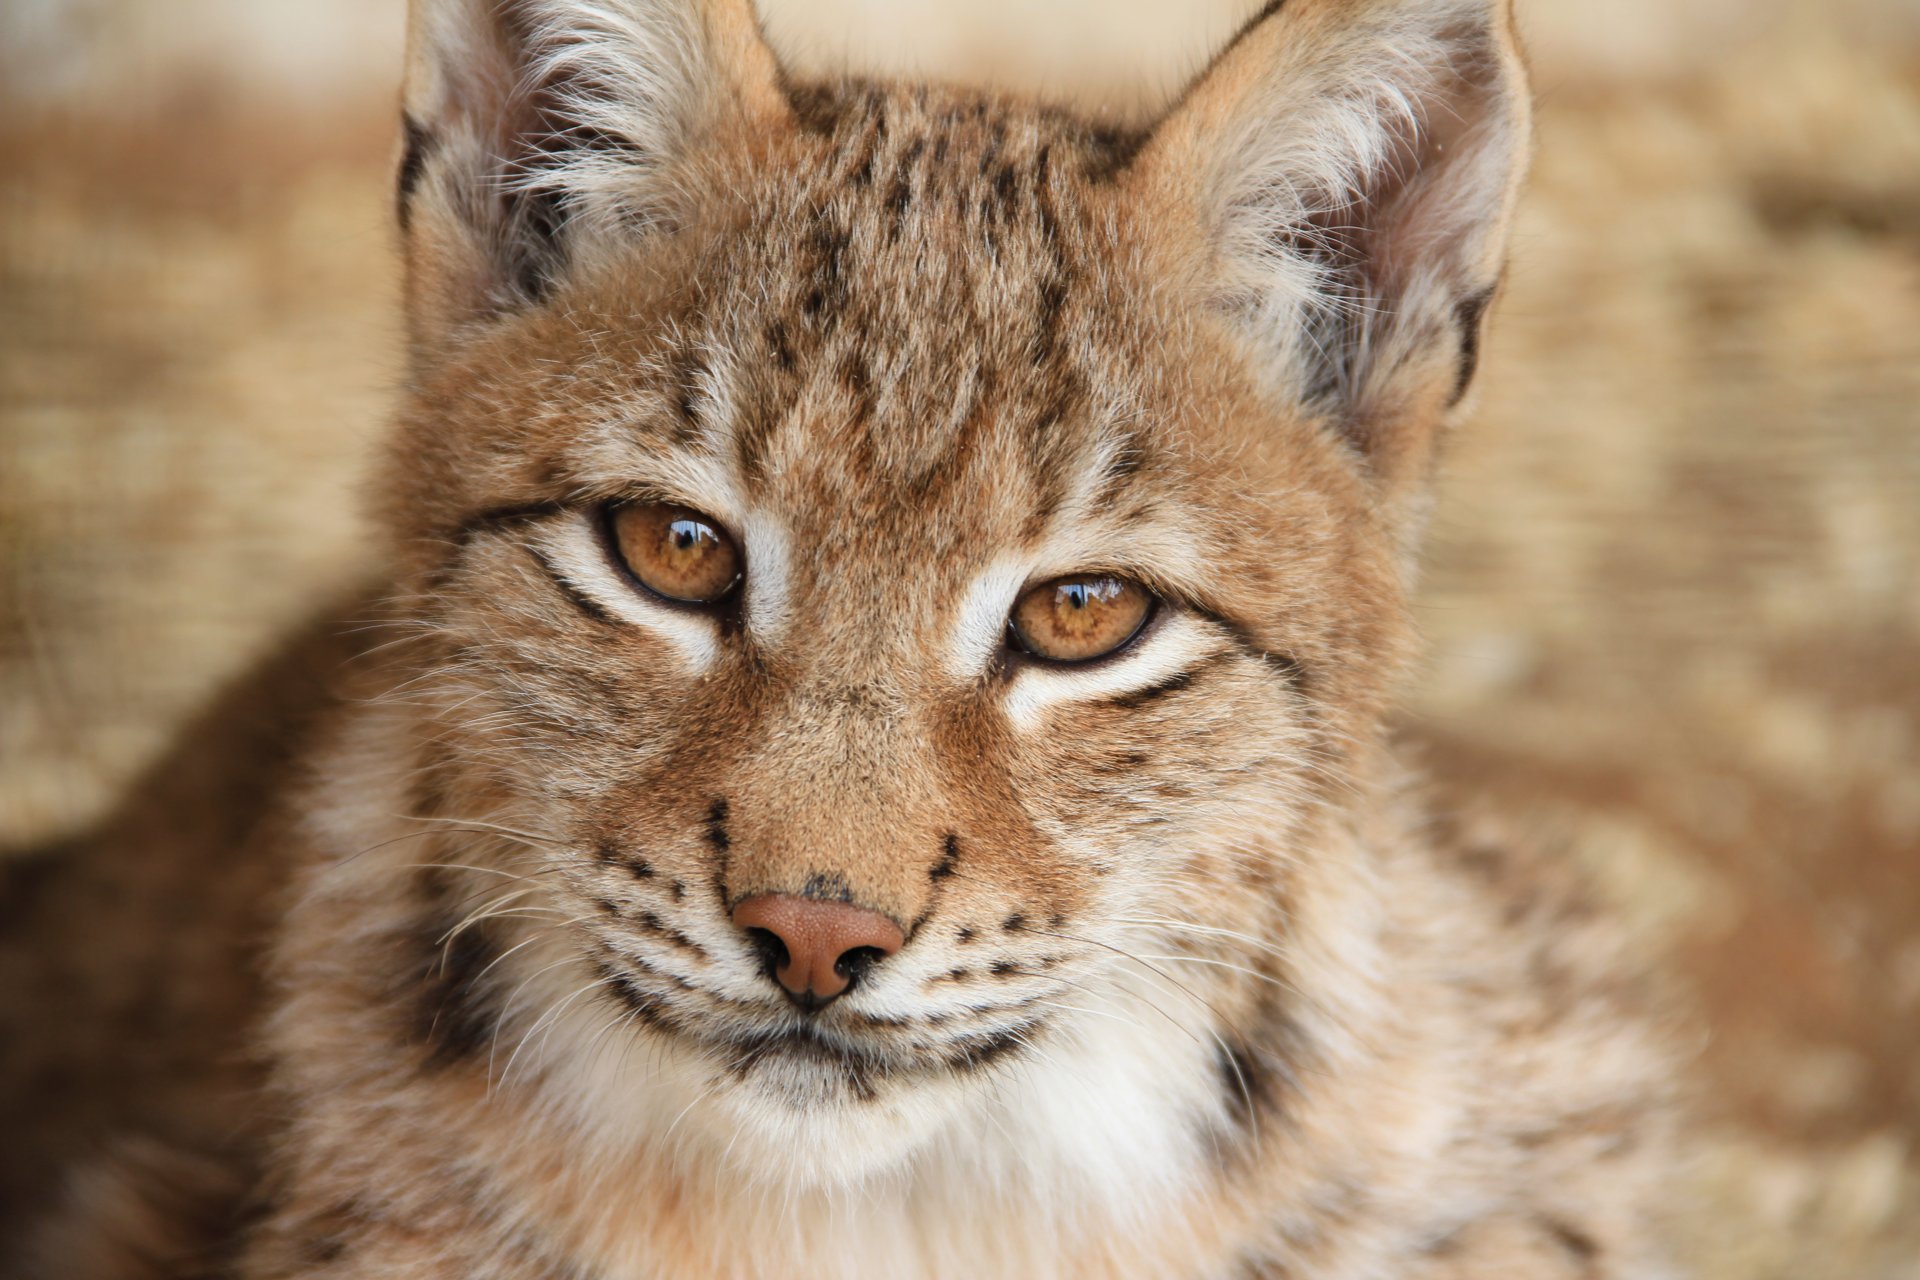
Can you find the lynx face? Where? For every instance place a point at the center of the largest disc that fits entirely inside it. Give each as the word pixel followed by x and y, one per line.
pixel 976 533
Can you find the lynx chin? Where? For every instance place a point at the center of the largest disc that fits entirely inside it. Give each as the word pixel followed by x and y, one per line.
pixel 868 759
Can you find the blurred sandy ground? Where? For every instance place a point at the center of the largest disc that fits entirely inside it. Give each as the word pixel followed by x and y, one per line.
pixel 1674 594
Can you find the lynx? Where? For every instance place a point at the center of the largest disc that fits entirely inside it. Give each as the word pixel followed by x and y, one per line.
pixel 870 759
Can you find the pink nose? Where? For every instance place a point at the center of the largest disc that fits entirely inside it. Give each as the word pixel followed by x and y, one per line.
pixel 820 947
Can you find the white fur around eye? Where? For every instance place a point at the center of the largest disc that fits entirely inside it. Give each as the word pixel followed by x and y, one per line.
pixel 576 551
pixel 769 571
pixel 982 624
pixel 1173 646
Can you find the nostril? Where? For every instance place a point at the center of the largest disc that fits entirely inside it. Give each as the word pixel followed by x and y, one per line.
pixel 772 952
pixel 853 965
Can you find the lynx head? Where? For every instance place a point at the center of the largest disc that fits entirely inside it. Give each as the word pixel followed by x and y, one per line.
pixel 922 571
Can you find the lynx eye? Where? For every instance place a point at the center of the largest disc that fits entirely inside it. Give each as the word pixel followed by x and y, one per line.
pixel 675 552
pixel 1080 618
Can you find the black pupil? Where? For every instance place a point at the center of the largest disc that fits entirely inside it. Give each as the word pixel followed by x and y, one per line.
pixel 1082 595
pixel 686 533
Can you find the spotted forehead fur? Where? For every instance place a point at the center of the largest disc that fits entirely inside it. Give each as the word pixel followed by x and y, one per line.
pixel 926 310
pixel 922 286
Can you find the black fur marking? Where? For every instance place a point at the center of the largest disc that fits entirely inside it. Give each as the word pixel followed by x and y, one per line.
pixel 656 927
pixel 1006 190
pixel 818 109
pixel 862 1076
pixel 418 147
pixel 607 905
pixel 899 201
pixel 536 259
pixel 531 221
pixel 1160 689
pixel 717 827
pixel 1004 968
pixel 578 599
pixel 1014 923
pixel 781 346
pixel 1467 314
pixel 687 372
pixel 462 535
pixel 643 1004
pixel 1256 1073
pixel 1112 150
pixel 641 869
pixel 949 858
pixel 1245 1085
pixel 964 934
pixel 1046 321
pixel 827 886
pixel 1285 665
pixel 678 889
pixel 978 1055
pixel 828 293
pixel 452 1011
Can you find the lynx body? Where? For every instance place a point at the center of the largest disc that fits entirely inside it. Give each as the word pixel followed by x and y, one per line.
pixel 1175 976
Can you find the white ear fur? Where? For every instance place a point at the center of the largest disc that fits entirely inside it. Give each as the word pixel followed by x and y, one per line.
pixel 537 129
pixel 1353 165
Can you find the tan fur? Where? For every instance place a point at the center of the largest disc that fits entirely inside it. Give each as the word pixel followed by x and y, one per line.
pixel 1192 987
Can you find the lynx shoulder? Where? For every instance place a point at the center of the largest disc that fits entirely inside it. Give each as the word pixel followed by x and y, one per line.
pixel 872 758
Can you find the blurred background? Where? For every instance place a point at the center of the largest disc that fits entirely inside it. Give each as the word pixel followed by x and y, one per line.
pixel 1673 594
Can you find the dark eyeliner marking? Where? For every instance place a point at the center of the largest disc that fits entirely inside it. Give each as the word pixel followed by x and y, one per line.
pixel 461 535
pixel 1286 665
pixel 493 518
pixel 1160 689
pixel 586 604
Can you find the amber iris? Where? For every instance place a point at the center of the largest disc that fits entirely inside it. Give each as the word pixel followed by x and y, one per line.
pixel 676 552
pixel 1080 618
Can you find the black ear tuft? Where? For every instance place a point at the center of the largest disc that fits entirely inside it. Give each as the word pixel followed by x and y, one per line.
pixel 416 145
pixel 1469 315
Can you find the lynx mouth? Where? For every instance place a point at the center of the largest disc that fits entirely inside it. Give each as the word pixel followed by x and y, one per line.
pixel 803 1059
pixel 806 1045
pixel 806 1053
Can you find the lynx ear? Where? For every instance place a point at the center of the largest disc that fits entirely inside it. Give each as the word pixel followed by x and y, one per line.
pixel 1353 165
pixel 538 131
